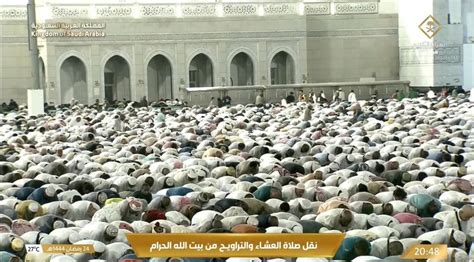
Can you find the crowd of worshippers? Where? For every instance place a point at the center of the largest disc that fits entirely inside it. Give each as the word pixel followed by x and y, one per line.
pixel 50 108
pixel 224 101
pixel 388 174
pixel 312 97
pixel 339 95
pixel 11 106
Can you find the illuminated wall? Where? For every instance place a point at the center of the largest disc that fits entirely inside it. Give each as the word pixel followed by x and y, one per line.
pixel 329 41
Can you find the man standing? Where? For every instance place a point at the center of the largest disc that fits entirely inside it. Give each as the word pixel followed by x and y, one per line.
pixel 301 96
pixel 290 98
pixel 342 95
pixel 395 95
pixel 259 100
pixel 431 94
pixel 13 106
pixel 227 100
pixel 322 97
pixel 212 102
pixel 160 117
pixel 339 96
pixel 311 97
pixel 117 124
pixel 144 102
pixel 220 103
pixel 352 97
pixel 307 113
pixel 74 102
pixel 374 95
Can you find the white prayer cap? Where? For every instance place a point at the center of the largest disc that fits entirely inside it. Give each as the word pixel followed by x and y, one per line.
pixel 459 236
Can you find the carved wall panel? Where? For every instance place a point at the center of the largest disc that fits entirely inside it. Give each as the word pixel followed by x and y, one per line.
pixel 356 8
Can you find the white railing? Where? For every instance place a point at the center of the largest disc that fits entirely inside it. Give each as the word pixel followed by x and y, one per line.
pixel 274 93
pixel 181 10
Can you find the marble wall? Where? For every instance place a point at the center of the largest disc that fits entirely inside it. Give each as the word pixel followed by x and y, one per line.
pixel 468 66
pixel 468 61
pixel 329 41
pixel 433 58
pixel 13 63
pixel 365 46
pixel 468 20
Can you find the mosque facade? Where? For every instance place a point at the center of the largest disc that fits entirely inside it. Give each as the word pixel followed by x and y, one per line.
pixel 131 49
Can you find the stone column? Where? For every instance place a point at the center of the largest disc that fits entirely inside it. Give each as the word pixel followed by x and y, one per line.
pixel 95 74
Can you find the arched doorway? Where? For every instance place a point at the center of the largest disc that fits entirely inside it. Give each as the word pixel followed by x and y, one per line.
pixel 241 70
pixel 42 76
pixel 73 81
pixel 201 71
pixel 117 79
pixel 160 79
pixel 282 69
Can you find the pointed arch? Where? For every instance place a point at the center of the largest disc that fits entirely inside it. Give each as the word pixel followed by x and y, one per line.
pixel 282 69
pixel 117 84
pixel 73 80
pixel 159 78
pixel 201 71
pixel 242 70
